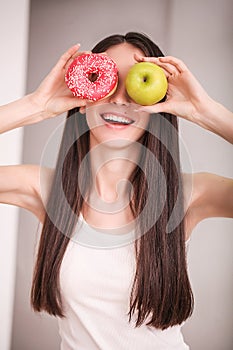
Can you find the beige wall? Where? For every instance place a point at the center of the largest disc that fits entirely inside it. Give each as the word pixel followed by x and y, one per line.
pixel 200 33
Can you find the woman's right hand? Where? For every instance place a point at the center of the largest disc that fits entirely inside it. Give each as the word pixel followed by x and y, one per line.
pixel 53 97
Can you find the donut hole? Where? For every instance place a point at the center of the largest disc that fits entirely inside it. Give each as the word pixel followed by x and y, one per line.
pixel 93 77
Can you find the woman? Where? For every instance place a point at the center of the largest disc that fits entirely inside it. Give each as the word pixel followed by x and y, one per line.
pixel 135 295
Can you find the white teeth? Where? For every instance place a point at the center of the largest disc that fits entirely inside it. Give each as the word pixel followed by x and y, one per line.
pixel 117 119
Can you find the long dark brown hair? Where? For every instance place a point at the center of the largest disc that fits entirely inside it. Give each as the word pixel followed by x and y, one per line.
pixel 161 295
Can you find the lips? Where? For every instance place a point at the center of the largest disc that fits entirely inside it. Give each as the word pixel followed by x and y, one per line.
pixel 116 118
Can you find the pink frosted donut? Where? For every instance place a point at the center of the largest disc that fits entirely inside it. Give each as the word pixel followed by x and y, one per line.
pixel 92 76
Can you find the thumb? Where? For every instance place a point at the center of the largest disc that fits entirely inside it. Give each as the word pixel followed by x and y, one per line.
pixel 157 108
pixel 73 102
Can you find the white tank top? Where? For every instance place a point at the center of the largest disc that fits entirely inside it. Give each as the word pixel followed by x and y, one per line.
pixel 95 287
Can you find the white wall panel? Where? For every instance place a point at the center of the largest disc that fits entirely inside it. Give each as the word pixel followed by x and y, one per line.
pixel 14 16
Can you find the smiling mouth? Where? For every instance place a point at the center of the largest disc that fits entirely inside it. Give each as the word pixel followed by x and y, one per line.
pixel 116 119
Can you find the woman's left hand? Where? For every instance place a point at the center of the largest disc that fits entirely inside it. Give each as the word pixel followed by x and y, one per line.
pixel 186 97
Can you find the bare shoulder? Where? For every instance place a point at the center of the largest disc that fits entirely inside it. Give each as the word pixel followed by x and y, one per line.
pixel 206 195
pixel 21 185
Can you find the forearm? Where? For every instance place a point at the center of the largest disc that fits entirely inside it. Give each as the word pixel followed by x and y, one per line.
pixel 218 119
pixel 21 112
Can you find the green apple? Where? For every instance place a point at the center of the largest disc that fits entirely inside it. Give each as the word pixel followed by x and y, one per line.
pixel 146 83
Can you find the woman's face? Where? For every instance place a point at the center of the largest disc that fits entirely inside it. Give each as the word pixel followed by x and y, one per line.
pixel 118 104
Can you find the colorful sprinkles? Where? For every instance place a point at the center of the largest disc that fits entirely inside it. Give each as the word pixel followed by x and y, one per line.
pixel 99 66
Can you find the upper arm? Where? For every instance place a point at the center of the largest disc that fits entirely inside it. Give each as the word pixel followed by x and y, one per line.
pixel 20 186
pixel 212 197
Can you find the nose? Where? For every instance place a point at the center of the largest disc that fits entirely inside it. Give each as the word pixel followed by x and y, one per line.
pixel 120 96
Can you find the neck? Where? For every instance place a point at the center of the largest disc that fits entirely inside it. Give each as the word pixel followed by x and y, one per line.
pixel 111 169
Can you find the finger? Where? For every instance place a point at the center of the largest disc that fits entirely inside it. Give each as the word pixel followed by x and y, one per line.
pixel 157 108
pixel 75 55
pixel 168 68
pixel 66 56
pixel 171 62
pixel 154 60
pixel 138 58
pixel 73 102
pixel 180 66
pixel 81 53
pixel 149 59
pixel 168 71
